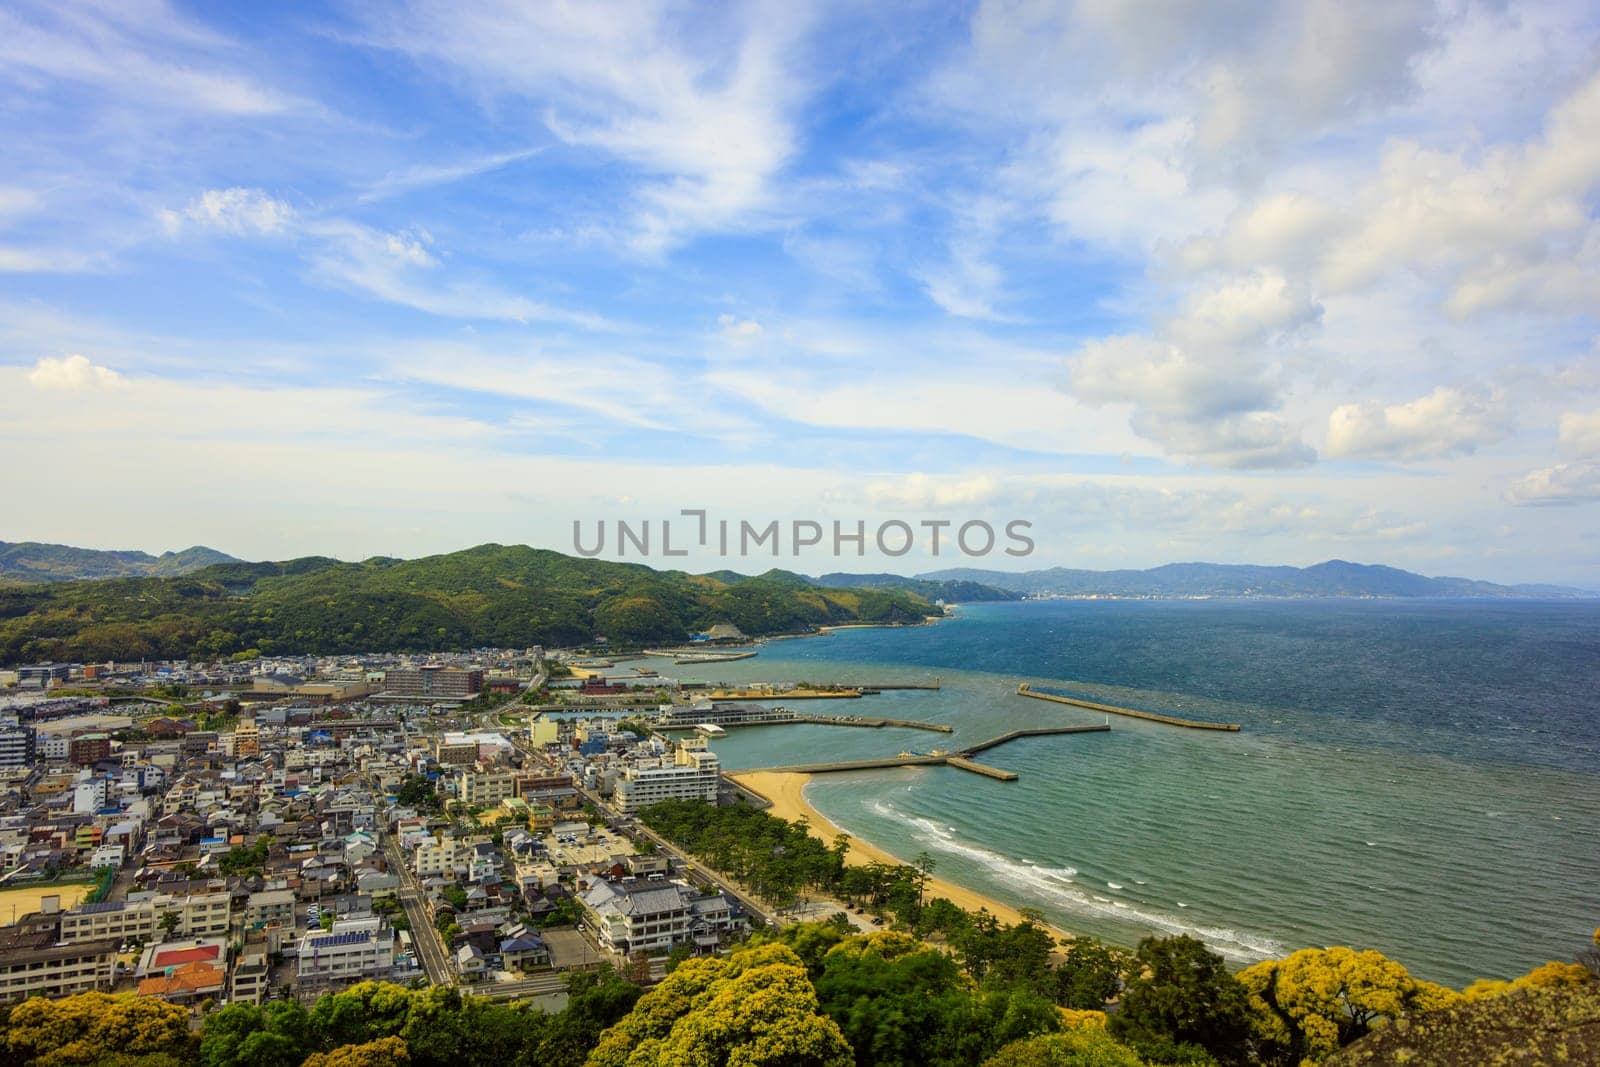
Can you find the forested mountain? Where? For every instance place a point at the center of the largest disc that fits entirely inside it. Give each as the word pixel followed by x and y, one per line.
pixel 1334 578
pixel 489 595
pixel 952 591
pixel 33 561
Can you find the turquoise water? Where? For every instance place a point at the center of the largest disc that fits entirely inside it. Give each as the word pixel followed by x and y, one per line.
pixel 1419 778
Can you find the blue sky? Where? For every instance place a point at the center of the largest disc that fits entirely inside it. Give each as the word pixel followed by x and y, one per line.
pixel 1248 283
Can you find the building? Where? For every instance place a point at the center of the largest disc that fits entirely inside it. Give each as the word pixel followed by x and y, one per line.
pixel 354 949
pixel 436 858
pixel 269 906
pixel 689 716
pixel 433 682
pixel 482 789
pixel 86 750
pixel 187 983
pixel 654 916
pixel 43 675
pixel 251 978
pixel 34 964
pixel 197 915
pixel 695 773
pixel 18 744
pixel 524 952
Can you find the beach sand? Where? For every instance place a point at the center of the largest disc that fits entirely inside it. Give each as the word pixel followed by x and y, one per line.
pixel 787 794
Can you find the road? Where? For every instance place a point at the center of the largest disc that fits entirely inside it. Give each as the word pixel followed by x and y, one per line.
pixel 633 828
pixel 423 933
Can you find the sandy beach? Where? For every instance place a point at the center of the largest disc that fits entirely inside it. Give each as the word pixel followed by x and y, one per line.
pixel 787 794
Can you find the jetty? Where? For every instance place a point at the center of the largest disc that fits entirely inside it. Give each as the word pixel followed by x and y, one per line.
pixel 961 760
pixel 1026 690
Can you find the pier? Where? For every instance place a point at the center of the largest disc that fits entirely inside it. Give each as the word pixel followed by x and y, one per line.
pixel 1026 690
pixel 960 760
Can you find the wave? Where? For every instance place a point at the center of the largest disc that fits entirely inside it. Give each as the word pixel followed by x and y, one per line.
pixel 1053 885
pixel 1115 885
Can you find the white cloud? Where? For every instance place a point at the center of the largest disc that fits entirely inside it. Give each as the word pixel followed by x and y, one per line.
pixel 1564 483
pixel 921 490
pixel 1212 404
pixel 1162 378
pixel 739 331
pixel 1446 422
pixel 704 111
pixel 1580 434
pixel 73 373
pixel 237 211
pixel 144 52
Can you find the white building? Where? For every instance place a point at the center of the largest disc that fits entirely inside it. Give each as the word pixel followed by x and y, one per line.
pixel 694 773
pixel 352 950
pixel 656 916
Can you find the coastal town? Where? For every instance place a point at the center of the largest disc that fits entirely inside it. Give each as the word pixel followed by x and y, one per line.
pixel 239 831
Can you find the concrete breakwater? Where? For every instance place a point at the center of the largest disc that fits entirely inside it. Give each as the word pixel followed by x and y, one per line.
pixel 961 760
pixel 1026 690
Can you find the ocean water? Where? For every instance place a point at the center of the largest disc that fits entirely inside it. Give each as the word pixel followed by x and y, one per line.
pixel 1422 778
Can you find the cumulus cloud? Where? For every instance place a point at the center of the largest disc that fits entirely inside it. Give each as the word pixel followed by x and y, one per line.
pixel 1200 386
pixel 1564 483
pixel 237 211
pixel 73 373
pixel 1580 434
pixel 1446 422
pixel 1576 481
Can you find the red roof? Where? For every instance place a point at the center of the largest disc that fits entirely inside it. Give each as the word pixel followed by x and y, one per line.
pixel 198 954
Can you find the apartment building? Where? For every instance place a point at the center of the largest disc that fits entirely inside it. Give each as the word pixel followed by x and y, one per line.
pixel 18 744
pixel 436 857
pixel 481 789
pixel 433 682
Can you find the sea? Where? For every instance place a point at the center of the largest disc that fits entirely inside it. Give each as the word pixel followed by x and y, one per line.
pixel 1417 777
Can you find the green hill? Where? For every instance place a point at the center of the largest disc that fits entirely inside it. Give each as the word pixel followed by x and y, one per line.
pixel 489 595
pixel 33 561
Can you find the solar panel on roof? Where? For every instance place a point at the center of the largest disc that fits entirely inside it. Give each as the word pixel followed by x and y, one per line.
pixel 338 940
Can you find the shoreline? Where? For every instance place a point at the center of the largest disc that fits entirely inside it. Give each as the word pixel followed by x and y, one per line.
pixel 786 793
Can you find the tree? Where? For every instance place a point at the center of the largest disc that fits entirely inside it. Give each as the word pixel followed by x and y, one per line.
pixel 384 1052
pixel 1089 974
pixel 1313 1002
pixel 755 1007
pixel 90 1027
pixel 1087 1046
pixel 1551 975
pixel 1182 999
pixel 244 1035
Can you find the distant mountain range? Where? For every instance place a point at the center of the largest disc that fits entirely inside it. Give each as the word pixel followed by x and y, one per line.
pixel 1335 578
pixel 33 561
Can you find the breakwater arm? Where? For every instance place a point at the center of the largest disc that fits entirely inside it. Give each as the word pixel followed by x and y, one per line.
pixel 1026 690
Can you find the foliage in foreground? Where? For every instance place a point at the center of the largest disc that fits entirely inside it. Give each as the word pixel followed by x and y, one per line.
pixel 816 995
